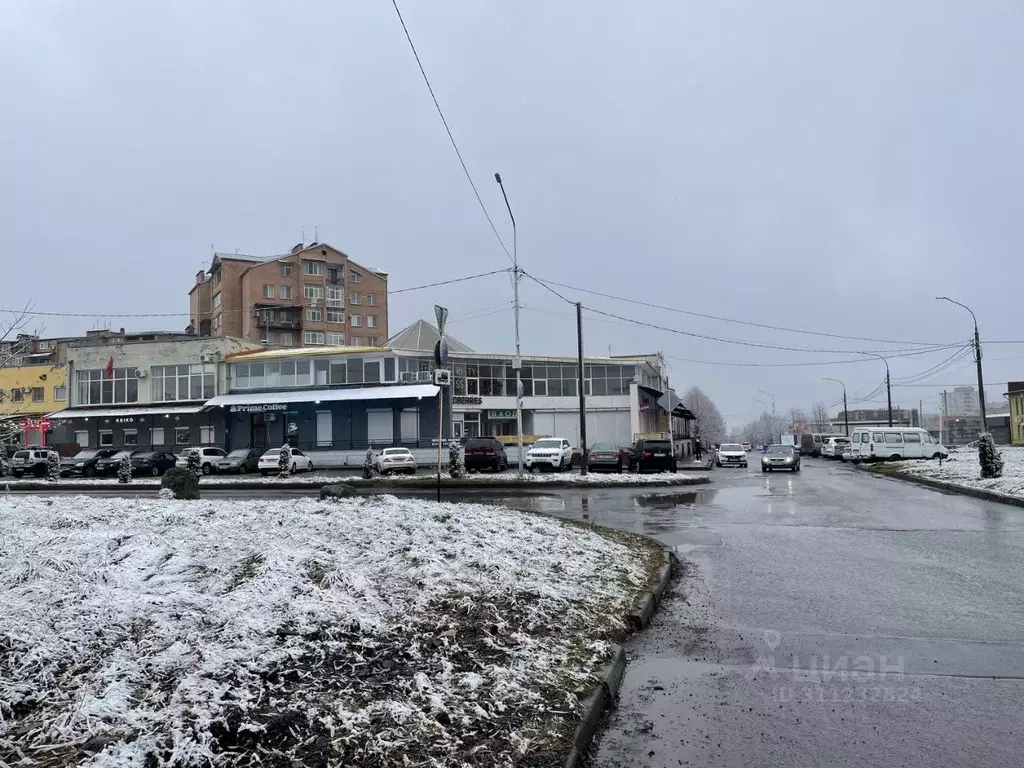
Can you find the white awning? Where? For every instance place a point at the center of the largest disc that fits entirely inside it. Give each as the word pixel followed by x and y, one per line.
pixel 397 392
pixel 100 413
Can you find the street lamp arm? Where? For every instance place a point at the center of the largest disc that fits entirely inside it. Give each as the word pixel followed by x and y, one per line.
pixel 954 301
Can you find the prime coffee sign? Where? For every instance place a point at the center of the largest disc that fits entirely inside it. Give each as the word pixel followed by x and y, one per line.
pixel 258 408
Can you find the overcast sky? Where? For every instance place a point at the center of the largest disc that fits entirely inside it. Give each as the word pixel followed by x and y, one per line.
pixel 817 165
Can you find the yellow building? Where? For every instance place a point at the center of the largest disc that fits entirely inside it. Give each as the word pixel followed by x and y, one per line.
pixel 1016 398
pixel 32 391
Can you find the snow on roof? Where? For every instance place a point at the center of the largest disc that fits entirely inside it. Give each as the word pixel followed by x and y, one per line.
pixel 100 413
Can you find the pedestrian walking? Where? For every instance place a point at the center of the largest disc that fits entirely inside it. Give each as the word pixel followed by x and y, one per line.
pixel 700 450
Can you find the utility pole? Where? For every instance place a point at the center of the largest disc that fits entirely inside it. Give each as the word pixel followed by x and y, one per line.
pixel 846 411
pixel 517 361
pixel 584 454
pixel 775 424
pixel 977 360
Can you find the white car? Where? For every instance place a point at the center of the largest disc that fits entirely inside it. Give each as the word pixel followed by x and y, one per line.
pixel 268 462
pixel 731 455
pixel 392 460
pixel 208 458
pixel 834 447
pixel 549 453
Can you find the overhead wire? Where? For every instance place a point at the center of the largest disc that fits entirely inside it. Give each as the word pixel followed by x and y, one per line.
pixel 448 130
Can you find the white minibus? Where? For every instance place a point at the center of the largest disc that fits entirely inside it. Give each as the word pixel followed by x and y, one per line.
pixel 894 443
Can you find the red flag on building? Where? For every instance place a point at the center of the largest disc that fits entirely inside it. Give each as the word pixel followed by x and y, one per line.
pixel 110 367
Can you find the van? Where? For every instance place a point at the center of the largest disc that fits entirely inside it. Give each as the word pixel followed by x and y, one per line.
pixel 894 443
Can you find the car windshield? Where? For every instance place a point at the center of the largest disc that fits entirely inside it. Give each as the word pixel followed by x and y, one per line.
pixel 395 451
pixel 731 447
pixel 604 448
pixel 272 452
pixel 82 455
pixel 241 453
pixel 548 444
pixel 780 449
pixel 842 441
pixel 144 455
pixel 121 454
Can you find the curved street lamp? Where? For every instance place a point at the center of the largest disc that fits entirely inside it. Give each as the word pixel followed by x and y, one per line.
pixel 888 384
pixel 977 358
pixel 846 411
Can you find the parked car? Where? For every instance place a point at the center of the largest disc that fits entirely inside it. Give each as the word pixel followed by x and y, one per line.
pixel 731 455
pixel 29 462
pixel 208 458
pixel 894 444
pixel 781 457
pixel 833 447
pixel 84 462
pixel 652 454
pixel 110 464
pixel 300 461
pixel 811 442
pixel 153 463
pixel 747 446
pixel 240 461
pixel 553 453
pixel 485 453
pixel 392 460
pixel 605 457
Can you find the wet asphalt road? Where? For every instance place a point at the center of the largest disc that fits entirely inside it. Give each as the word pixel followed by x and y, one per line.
pixel 787 576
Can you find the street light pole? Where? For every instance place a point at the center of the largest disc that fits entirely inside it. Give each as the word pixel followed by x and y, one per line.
pixel 774 422
pixel 846 411
pixel 977 358
pixel 517 362
pixel 888 381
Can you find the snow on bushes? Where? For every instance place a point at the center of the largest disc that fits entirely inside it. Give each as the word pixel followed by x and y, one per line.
pixel 145 632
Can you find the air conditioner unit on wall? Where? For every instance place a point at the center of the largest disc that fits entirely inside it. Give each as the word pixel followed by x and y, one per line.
pixel 141 373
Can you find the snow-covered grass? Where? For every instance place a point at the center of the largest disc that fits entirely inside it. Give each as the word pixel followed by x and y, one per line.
pixel 150 632
pixel 963 468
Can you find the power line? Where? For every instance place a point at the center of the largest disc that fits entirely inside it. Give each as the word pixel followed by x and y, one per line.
pixel 544 285
pixel 437 284
pixel 733 320
pixel 447 129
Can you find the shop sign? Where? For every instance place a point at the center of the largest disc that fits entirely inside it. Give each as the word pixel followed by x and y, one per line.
pixel 502 414
pixel 124 420
pixel 467 400
pixel 258 408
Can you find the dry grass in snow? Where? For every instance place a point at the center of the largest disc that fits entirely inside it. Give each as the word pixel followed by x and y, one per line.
pixel 372 632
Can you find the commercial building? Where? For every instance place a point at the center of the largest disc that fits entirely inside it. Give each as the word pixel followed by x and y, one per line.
pixel 313 296
pixel 142 394
pixel 1015 396
pixel 901 417
pixel 27 394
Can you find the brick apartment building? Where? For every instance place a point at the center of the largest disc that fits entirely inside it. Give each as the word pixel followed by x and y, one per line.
pixel 313 296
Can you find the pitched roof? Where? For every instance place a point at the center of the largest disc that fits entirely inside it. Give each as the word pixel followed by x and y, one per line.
pixel 421 336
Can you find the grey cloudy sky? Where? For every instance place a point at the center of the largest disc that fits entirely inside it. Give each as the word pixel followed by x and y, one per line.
pixel 829 166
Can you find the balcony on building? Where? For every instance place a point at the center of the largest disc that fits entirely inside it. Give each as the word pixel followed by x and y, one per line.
pixel 277 316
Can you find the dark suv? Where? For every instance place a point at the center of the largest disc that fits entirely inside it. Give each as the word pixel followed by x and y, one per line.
pixel 84 462
pixel 485 453
pixel 655 455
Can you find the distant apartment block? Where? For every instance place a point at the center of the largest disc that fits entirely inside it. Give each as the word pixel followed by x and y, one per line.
pixel 312 296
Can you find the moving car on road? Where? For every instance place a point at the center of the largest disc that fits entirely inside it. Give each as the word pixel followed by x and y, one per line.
pixel 485 453
pixel 239 462
pixel 731 455
pixel 747 446
pixel 549 453
pixel 153 463
pixel 894 444
pixel 392 460
pixel 300 461
pixel 84 462
pixel 605 457
pixel 208 458
pixel 652 454
pixel 833 447
pixel 780 457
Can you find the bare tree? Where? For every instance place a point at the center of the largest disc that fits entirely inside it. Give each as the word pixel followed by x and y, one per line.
pixel 820 418
pixel 710 424
pixel 14 342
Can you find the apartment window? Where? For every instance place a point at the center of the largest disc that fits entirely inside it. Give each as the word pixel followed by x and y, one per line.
pixel 266 337
pixel 335 297
pixel 82 438
pixel 333 275
pixel 284 292
pixel 357 341
pixel 371 299
pixel 60 394
pixel 335 339
pixel 38 394
pixel 314 314
pixel 182 435
pixel 354 298
pixel 313 293
pixel 355 320
pixel 313 268
pixel 372 341
pixel 95 387
pixel 106 438
pixel 335 315
pixel 286 269
pixel 355 277
pixel 17 395
pixel 130 438
pixel 156 436
pixel 285 338
pixel 217 323
pixel 216 300
pixel 371 321
pixel 314 337
pixel 207 435
pixel 181 382
pixel 268 291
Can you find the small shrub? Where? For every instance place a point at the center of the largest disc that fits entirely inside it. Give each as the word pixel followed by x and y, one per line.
pixel 455 465
pixel 124 470
pixel 284 461
pixel 195 466
pixel 369 467
pixel 52 466
pixel 183 483
pixel 989 458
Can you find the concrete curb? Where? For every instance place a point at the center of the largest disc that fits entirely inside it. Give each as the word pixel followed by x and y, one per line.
pixel 604 695
pixel 947 487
